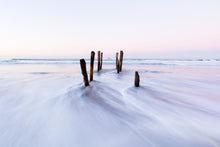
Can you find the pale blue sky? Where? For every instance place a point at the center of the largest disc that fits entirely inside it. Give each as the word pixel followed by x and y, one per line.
pixel 139 27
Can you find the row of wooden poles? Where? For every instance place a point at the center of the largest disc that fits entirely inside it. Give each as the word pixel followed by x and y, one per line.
pixel 119 62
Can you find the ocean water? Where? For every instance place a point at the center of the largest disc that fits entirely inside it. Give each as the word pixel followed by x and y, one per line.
pixel 174 62
pixel 43 102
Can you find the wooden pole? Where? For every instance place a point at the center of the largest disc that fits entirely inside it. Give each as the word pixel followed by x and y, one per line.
pixel 92 65
pixel 117 60
pixel 101 60
pixel 117 66
pixel 84 72
pixel 121 60
pixel 98 68
pixel 137 79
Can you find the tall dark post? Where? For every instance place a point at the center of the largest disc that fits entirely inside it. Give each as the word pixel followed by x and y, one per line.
pixel 84 72
pixel 117 66
pixel 116 60
pixel 121 60
pixel 92 65
pixel 101 60
pixel 98 68
pixel 137 79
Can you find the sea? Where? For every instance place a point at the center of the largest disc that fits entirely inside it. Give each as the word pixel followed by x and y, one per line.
pixel 43 103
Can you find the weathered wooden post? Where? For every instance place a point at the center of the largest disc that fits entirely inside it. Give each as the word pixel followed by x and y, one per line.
pixel 101 60
pixel 84 72
pixel 121 60
pixel 137 79
pixel 92 65
pixel 117 67
pixel 116 60
pixel 98 67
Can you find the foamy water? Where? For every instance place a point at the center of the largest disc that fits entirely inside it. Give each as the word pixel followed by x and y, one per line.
pixel 168 62
pixel 44 103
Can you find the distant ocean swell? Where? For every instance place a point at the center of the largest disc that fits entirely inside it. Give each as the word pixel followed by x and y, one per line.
pixel 165 62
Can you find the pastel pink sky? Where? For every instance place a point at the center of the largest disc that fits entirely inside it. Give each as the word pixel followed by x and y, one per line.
pixel 141 28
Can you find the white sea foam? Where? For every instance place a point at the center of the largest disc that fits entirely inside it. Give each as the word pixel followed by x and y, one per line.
pixel 167 62
pixel 45 105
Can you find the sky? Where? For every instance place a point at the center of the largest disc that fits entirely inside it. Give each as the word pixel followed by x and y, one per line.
pixel 142 28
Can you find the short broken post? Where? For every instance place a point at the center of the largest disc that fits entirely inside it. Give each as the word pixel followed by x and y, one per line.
pixel 92 65
pixel 98 67
pixel 101 60
pixel 137 79
pixel 121 60
pixel 116 60
pixel 84 72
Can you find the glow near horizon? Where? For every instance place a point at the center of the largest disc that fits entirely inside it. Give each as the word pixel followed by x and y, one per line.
pixel 73 28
